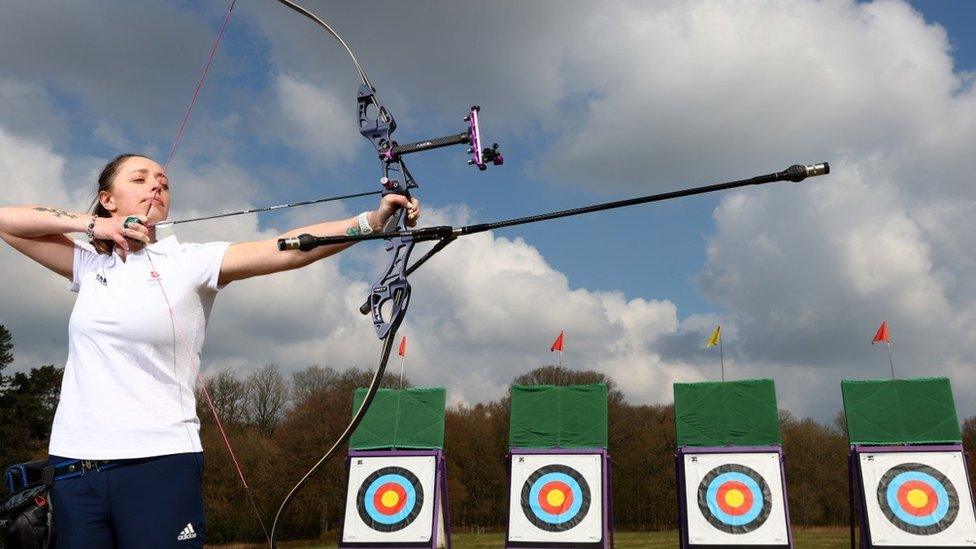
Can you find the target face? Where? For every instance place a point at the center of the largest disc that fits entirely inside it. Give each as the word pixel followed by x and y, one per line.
pixel 556 498
pixel 390 499
pixel 918 498
pixel 735 499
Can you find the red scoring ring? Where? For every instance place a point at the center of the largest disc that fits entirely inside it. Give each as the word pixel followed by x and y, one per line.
pixel 549 487
pixel 388 487
pixel 933 498
pixel 725 507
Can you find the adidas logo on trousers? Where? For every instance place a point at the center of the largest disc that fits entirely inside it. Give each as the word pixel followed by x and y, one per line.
pixel 187 533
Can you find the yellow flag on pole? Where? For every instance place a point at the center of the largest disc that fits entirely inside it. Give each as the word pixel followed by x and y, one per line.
pixel 716 337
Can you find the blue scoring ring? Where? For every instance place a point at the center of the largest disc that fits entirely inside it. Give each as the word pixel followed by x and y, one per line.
pixel 540 517
pixel 708 503
pixel 939 519
pixel 372 516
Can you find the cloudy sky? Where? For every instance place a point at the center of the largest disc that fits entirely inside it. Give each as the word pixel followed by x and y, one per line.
pixel 591 101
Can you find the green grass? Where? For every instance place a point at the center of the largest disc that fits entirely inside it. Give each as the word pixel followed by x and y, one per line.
pixel 803 538
pixel 820 538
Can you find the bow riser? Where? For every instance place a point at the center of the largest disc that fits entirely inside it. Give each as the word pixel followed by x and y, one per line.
pixel 377 125
pixel 392 288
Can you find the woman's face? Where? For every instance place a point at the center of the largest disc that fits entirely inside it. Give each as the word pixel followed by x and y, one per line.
pixel 139 188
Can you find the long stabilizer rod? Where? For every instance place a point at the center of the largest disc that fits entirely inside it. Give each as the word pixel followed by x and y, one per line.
pixel 795 173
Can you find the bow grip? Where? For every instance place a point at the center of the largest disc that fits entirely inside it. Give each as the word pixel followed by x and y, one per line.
pixel 392 286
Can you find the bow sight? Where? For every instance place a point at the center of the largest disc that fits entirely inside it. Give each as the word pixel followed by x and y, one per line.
pixel 481 157
pixel 379 127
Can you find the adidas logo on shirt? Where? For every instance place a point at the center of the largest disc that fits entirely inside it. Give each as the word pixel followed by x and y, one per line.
pixel 187 533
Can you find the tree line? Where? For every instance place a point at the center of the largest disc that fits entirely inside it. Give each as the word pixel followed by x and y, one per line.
pixel 279 425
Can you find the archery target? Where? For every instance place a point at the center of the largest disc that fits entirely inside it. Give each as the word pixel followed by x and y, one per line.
pixel 556 498
pixel 390 499
pixel 920 499
pixel 735 499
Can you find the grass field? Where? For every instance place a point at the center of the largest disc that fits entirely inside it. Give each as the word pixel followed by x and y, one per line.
pixel 814 538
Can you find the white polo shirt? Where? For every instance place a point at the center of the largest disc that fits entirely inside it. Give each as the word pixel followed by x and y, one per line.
pixel 128 382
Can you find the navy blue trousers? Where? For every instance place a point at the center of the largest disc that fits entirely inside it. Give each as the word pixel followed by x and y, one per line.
pixel 139 503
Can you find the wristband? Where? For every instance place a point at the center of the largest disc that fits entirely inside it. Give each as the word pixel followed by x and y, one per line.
pixel 364 226
pixel 90 233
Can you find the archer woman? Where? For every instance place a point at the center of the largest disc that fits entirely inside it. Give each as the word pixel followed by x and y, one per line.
pixel 125 440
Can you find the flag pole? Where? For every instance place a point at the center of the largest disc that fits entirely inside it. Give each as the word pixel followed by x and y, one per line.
pixel 890 362
pixel 401 372
pixel 402 351
pixel 721 357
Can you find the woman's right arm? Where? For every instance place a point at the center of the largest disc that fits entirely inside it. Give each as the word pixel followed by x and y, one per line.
pixel 39 233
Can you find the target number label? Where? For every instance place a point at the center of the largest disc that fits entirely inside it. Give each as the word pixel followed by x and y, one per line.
pixel 555 498
pixel 918 499
pixel 734 498
pixel 390 499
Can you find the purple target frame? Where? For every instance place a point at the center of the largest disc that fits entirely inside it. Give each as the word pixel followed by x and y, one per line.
pixel 679 463
pixel 440 497
pixel 855 484
pixel 606 520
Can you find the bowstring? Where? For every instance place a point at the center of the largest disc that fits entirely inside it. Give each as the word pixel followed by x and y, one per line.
pixel 390 336
pixel 172 314
pixel 196 91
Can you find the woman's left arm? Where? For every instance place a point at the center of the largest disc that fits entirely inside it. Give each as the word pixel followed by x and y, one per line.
pixel 261 257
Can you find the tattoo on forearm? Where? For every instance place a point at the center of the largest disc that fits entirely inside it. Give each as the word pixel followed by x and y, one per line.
pixel 57 213
pixel 353 231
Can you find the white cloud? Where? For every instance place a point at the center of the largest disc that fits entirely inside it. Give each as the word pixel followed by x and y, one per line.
pixel 317 121
pixel 113 135
pixel 489 307
pixel 26 108
pixel 35 308
pixel 738 85
pixel 118 60
pixel 32 171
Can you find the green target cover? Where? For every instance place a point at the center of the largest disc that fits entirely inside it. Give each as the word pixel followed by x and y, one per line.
pixel 728 413
pixel 401 418
pixel 551 416
pixel 900 411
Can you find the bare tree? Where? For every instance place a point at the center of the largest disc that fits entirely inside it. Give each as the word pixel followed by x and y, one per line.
pixel 314 380
pixel 228 394
pixel 6 350
pixel 558 375
pixel 267 397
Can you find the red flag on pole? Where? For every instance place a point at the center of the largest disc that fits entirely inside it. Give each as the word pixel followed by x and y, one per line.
pixel 882 334
pixel 558 344
pixel 403 346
